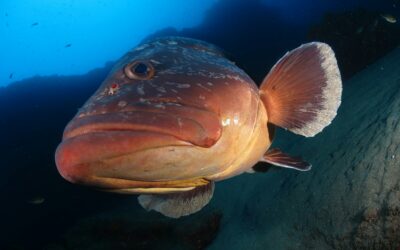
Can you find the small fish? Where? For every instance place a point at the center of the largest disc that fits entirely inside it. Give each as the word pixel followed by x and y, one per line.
pixel 174 116
pixel 68 45
pixel 389 18
pixel 34 24
pixel 36 200
pixel 10 76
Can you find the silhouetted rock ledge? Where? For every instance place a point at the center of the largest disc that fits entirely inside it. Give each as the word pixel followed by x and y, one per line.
pixel 351 197
pixel 358 37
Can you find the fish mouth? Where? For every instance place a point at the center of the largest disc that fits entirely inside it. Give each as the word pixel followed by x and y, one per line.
pixel 92 139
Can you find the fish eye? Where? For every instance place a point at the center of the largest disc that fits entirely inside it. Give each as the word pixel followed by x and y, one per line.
pixel 139 70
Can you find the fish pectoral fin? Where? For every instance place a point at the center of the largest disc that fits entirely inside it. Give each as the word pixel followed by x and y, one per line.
pixel 175 205
pixel 278 158
pixel 302 92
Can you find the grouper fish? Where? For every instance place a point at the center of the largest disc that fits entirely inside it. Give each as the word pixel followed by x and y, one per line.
pixel 174 116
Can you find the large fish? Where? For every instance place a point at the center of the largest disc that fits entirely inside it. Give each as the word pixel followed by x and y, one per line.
pixel 175 115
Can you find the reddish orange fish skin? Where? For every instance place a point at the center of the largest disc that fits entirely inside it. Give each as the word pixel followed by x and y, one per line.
pixel 191 120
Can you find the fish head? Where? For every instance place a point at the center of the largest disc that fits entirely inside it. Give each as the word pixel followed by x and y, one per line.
pixel 157 112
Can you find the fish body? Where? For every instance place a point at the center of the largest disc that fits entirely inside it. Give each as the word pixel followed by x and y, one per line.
pixel 36 200
pixel 389 18
pixel 175 115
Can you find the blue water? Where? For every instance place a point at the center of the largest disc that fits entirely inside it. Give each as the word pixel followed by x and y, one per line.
pixel 37 34
pixel 54 55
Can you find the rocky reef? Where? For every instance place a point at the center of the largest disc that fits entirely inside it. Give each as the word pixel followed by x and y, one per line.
pixel 351 197
pixel 359 37
pixel 127 230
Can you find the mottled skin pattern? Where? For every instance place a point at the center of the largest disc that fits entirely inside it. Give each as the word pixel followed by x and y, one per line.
pixel 198 118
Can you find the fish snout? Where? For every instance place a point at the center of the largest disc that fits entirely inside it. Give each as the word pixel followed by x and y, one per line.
pixel 65 161
pixel 85 159
pixel 102 150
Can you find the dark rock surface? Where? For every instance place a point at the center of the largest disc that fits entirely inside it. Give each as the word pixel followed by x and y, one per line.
pixel 351 197
pixel 132 229
pixel 358 37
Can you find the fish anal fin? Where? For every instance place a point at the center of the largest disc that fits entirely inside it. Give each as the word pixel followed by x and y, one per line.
pixel 176 205
pixel 302 92
pixel 278 158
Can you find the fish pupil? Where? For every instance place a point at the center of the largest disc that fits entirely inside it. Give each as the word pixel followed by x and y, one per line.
pixel 140 68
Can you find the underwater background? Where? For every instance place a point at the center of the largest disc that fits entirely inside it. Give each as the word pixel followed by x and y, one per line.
pixel 55 54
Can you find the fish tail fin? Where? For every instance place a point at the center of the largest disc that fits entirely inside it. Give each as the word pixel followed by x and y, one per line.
pixel 302 92
pixel 176 205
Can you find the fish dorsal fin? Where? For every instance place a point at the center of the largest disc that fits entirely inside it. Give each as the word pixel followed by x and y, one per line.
pixel 302 92
pixel 175 205
pixel 278 158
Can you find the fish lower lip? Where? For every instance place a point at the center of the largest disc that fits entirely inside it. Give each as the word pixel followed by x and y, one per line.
pixel 198 127
pixel 75 155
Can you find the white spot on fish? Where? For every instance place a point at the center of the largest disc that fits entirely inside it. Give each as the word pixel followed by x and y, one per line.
pixel 161 89
pixel 174 90
pixel 235 77
pixel 172 42
pixel 151 83
pixel 201 86
pixel 159 105
pixel 236 119
pixel 154 61
pixel 173 104
pixel 122 104
pixel 113 89
pixel 183 85
pixel 179 122
pixel 209 84
pixel 202 97
pixel 226 122
pixel 140 89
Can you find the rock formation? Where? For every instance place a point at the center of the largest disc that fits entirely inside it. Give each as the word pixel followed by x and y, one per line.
pixel 351 197
pixel 359 37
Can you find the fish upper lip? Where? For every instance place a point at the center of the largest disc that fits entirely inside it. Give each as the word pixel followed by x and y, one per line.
pixel 195 125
